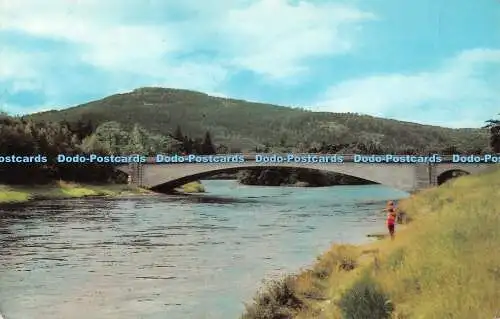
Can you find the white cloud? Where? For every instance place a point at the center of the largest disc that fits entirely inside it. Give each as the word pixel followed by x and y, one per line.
pixel 13 109
pixel 36 71
pixel 467 84
pixel 273 37
pixel 269 37
pixel 103 40
pixel 17 67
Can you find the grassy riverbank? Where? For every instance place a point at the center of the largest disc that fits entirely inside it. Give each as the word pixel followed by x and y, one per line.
pixel 445 264
pixel 62 190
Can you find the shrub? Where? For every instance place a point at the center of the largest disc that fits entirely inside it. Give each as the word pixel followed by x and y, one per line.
pixel 340 258
pixel 277 301
pixel 365 300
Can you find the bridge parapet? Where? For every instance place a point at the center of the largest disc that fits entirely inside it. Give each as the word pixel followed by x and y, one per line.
pixel 346 158
pixel 403 176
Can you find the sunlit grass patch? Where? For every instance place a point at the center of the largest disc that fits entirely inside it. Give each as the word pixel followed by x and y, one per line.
pixel 193 187
pixel 309 286
pixel 338 258
pixel 61 190
pixel 75 190
pixel 78 192
pixel 8 195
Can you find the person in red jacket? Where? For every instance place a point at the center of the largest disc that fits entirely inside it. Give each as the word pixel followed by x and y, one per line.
pixel 391 221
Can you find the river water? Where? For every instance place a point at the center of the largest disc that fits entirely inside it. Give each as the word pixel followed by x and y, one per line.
pixel 172 257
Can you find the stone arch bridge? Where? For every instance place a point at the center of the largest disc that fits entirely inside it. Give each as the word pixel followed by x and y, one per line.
pixel 402 176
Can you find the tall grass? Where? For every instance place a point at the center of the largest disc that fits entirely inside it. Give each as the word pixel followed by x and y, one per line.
pixel 445 264
pixel 365 300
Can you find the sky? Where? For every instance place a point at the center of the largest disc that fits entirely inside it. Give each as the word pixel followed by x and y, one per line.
pixel 427 61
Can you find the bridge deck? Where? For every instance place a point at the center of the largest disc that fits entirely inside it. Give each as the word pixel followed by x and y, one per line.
pixel 406 176
pixel 347 158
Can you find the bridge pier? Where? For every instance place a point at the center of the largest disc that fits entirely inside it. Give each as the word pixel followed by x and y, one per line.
pixel 136 174
pixel 433 175
pixel 425 176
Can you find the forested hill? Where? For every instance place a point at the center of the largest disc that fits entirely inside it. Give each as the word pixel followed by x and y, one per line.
pixel 246 125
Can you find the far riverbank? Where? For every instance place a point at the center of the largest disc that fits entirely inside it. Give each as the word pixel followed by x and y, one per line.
pixel 11 194
pixel 291 177
pixel 63 190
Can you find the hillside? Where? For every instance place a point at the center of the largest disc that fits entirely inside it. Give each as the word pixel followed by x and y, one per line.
pixel 245 125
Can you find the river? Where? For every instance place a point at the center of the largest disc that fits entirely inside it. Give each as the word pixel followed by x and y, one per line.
pixel 159 257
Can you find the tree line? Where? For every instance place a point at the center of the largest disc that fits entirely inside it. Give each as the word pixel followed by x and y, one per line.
pixel 27 138
pixel 494 126
pixel 22 136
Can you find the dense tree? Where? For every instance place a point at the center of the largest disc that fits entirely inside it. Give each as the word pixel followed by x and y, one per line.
pixel 474 151
pixel 178 134
pixel 91 144
pixel 494 126
pixel 188 145
pixel 162 144
pixel 139 141
pixel 113 137
pixel 21 137
pixel 450 150
pixel 198 146
pixel 81 128
pixel 207 146
pixel 222 149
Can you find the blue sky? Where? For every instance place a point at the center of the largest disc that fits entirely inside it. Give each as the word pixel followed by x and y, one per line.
pixel 427 61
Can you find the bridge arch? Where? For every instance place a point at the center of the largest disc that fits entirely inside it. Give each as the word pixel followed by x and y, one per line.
pixel 171 184
pixel 167 178
pixel 450 174
pixel 402 176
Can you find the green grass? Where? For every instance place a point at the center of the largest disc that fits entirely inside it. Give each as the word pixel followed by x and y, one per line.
pixel 61 190
pixel 8 195
pixel 444 264
pixel 193 187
